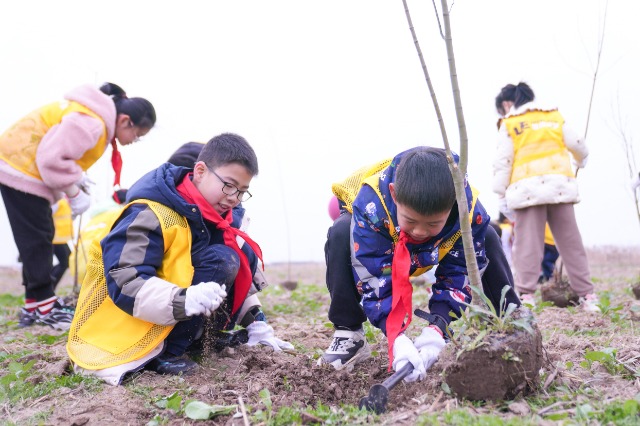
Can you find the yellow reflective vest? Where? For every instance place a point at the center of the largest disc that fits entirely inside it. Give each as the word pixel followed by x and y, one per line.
pixel 101 334
pixel 63 222
pixel 20 142
pixel 538 145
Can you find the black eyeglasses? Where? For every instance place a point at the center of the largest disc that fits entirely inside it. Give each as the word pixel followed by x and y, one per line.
pixel 230 189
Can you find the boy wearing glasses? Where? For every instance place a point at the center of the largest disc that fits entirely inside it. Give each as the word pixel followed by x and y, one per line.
pixel 174 256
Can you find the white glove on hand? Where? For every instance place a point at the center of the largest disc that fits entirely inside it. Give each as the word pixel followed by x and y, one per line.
pixel 429 344
pixel 262 333
pixel 85 183
pixel 79 203
pixel 505 210
pixel 404 352
pixel 203 298
pixel 635 182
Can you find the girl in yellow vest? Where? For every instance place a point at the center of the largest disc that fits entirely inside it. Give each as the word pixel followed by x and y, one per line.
pixel 534 179
pixel 42 159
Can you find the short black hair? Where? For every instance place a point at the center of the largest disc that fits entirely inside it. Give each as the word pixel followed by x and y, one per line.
pixel 229 148
pixel 186 155
pixel 423 181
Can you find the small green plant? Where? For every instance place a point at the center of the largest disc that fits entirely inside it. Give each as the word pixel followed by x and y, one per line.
pixel 607 308
pixel 477 321
pixel 193 409
pixel 607 358
pixel 266 414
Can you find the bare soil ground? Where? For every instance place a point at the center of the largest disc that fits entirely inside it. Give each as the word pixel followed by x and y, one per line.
pixel 238 375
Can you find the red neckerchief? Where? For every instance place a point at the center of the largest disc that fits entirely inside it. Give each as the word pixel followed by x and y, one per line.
pixel 401 293
pixel 191 195
pixel 116 163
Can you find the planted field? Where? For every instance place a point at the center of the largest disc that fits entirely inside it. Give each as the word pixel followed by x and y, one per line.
pixel 590 372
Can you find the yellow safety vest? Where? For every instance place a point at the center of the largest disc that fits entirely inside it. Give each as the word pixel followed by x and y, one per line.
pixel 538 144
pixel 101 334
pixel 18 145
pixel 548 236
pixel 63 222
pixel 95 230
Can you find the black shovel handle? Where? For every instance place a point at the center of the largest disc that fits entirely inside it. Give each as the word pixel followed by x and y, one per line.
pixel 397 376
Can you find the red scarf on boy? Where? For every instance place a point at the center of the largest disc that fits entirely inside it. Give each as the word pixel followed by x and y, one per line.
pixel 402 292
pixel 191 195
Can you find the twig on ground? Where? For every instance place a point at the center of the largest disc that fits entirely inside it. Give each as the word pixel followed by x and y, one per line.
pixel 243 411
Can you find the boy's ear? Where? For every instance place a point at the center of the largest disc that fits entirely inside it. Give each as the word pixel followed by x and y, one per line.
pixel 392 191
pixel 199 169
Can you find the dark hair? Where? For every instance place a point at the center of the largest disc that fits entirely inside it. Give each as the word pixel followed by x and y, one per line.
pixel 423 181
pixel 186 155
pixel 139 110
pixel 229 148
pixel 519 95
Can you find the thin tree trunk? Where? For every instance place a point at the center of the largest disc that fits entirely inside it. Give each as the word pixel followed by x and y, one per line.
pixel 458 171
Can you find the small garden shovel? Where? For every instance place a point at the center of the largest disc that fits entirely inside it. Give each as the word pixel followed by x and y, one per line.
pixel 379 393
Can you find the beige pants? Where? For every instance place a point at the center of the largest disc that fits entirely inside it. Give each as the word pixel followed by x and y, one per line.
pixel 528 247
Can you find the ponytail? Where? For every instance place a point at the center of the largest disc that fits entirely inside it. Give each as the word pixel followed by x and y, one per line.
pixel 139 110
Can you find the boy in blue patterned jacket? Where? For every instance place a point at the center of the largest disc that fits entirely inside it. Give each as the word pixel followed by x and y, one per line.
pixel 399 218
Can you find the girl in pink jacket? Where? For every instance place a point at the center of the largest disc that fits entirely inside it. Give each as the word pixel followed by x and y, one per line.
pixel 43 158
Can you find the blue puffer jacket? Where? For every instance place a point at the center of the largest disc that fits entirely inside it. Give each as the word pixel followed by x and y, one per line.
pixel 375 249
pixel 158 185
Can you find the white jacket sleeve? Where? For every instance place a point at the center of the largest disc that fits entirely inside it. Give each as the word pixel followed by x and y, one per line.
pixel 503 162
pixel 575 144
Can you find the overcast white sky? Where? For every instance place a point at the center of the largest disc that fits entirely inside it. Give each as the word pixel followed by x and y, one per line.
pixel 320 88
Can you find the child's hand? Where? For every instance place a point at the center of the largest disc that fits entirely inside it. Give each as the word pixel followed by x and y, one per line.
pixel 404 351
pixel 204 298
pixel 262 333
pixel 429 344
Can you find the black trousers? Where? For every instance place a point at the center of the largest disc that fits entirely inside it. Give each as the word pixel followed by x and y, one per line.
pixel 345 310
pixel 33 230
pixel 62 253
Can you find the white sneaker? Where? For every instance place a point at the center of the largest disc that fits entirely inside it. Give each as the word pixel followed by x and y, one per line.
pixel 346 349
pixel 528 299
pixel 590 303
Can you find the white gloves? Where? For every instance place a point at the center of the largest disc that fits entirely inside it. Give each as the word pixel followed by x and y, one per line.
pixel 635 182
pixel 429 344
pixel 262 333
pixel 505 210
pixel 85 183
pixel 404 352
pixel 79 203
pixel 422 354
pixel 203 298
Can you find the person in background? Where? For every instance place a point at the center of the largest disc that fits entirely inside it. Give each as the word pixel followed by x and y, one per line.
pixel 534 179
pixel 174 257
pixel 550 256
pixel 399 219
pixel 43 158
pixel 63 224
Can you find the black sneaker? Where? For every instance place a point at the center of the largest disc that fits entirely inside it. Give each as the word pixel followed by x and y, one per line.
pixel 171 364
pixel 59 317
pixel 27 318
pixel 346 349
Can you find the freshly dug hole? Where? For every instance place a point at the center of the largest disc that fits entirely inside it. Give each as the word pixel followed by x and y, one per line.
pixel 505 365
pixel 558 292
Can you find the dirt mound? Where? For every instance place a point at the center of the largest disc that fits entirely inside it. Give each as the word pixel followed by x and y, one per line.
pixel 558 292
pixel 500 367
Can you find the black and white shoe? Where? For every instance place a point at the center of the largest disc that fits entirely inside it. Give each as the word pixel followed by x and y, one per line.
pixel 171 364
pixel 27 318
pixel 346 349
pixel 59 317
